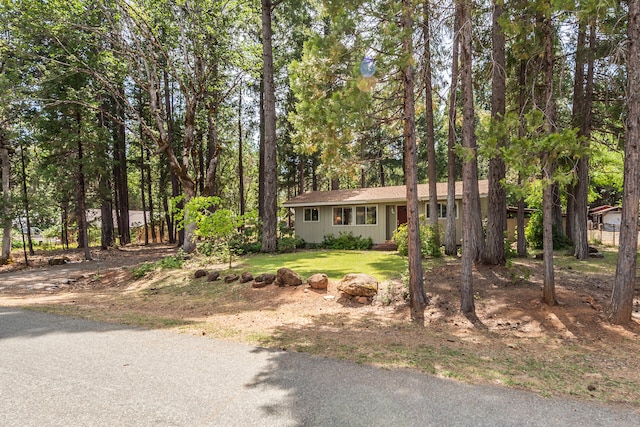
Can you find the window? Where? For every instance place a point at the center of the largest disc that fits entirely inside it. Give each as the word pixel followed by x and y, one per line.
pixel 311 215
pixel 342 216
pixel 366 215
pixel 442 210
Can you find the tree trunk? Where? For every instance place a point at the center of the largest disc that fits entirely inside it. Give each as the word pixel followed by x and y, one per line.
pixel 83 235
pixel 450 241
pixel 548 169
pixel 6 200
pixel 581 238
pixel 522 241
pixel 549 292
pixel 25 201
pixel 471 243
pixel 430 132
pixel 214 150
pixel 497 214
pixel 240 154
pixel 106 213
pixel 418 298
pixel 142 194
pixel 169 112
pixel 335 184
pixel 270 220
pixel 65 224
pixel 120 175
pixel 625 279
pixel 150 196
pixel 261 153
pixel 189 244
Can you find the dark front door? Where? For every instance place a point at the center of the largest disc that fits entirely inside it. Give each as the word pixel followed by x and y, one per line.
pixel 402 215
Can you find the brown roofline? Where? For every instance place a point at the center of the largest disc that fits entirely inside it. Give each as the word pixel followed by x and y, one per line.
pixel 370 195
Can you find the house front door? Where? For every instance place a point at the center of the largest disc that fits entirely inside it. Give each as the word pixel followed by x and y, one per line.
pixel 402 215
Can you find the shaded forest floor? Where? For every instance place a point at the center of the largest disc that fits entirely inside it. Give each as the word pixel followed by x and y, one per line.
pixel 567 349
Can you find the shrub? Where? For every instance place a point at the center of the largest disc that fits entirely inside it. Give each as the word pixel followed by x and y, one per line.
pixel 534 233
pixel 346 241
pixel 290 244
pixel 429 239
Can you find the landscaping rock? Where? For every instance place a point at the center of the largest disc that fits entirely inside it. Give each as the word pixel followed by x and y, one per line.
pixel 362 300
pixel 199 273
pixel 265 279
pixel 246 277
pixel 318 281
pixel 258 285
pixel 59 261
pixel 359 285
pixel 213 276
pixel 288 277
pixel 231 278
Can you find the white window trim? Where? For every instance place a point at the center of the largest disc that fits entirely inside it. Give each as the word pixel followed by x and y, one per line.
pixel 353 213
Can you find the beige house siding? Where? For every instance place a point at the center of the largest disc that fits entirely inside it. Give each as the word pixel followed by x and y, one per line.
pixel 314 232
pixel 385 199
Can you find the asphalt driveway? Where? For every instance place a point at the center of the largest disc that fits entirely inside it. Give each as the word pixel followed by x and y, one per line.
pixel 57 371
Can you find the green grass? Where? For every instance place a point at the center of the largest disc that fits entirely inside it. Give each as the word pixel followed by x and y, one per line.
pixel 562 259
pixel 335 264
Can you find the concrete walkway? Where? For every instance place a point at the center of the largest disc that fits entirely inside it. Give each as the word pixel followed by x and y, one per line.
pixel 57 371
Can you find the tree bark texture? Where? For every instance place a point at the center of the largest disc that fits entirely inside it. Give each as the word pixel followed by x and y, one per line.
pixel 418 298
pixel 450 241
pixel 625 279
pixel 120 175
pixel 6 199
pixel 497 215
pixel 549 292
pixel 521 239
pixel 430 132
pixel 269 221
pixel 240 156
pixel 580 237
pixel 548 169
pixel 25 201
pixel 81 209
pixel 106 213
pixel 470 199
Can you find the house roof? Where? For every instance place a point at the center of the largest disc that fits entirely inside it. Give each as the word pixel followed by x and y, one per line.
pixel 601 210
pixel 361 196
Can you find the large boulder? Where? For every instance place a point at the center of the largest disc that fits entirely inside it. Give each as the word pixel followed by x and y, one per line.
pixel 318 281
pixel 287 277
pixel 359 285
pixel 213 276
pixel 199 273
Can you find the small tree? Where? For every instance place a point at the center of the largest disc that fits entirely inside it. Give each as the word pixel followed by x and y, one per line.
pixel 213 222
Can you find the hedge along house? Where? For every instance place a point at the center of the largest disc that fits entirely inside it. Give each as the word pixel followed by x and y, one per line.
pixel 370 212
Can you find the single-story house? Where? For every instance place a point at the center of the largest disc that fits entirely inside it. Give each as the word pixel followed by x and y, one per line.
pixel 606 217
pixel 369 212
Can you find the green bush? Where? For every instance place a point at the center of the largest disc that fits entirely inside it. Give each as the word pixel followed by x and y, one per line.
pixel 429 239
pixel 290 244
pixel 346 241
pixel 170 262
pixel 534 233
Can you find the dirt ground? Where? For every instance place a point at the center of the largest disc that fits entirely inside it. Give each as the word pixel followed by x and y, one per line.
pixel 568 349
